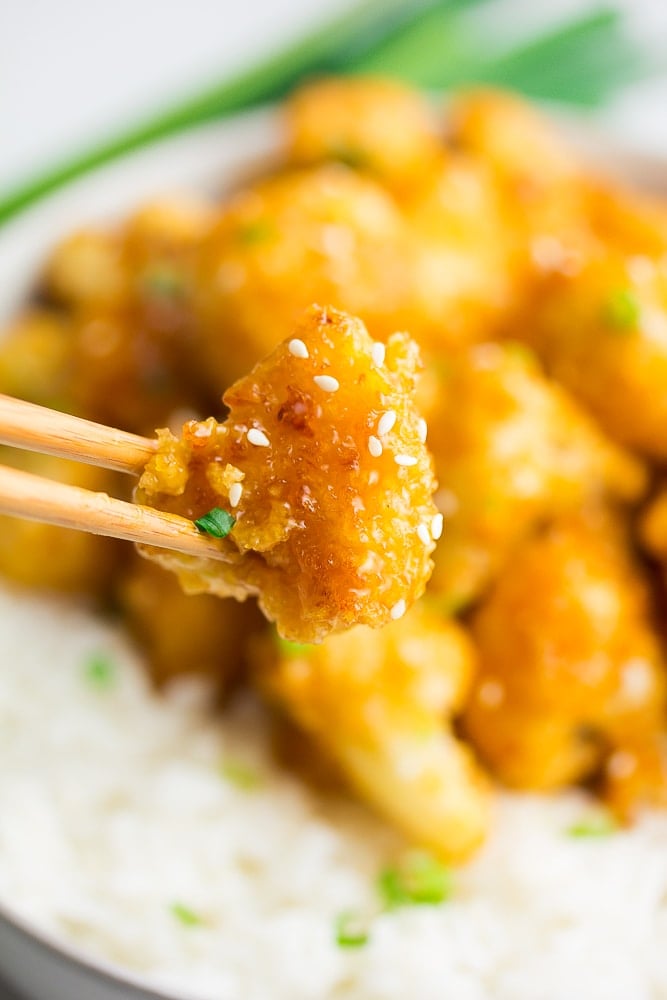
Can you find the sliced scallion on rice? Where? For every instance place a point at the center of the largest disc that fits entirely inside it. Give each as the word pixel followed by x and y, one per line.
pixel 185 915
pixel 217 522
pixel 595 825
pixel 240 774
pixel 419 879
pixel 351 931
pixel 100 670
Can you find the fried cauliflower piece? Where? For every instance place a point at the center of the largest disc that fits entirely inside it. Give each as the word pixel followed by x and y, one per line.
pixel 105 267
pixel 381 704
pixel 603 334
pixel 539 176
pixel 511 449
pixel 634 777
pixel 323 463
pixel 125 308
pixel 569 664
pixel 323 235
pixel 36 359
pixel 184 633
pixel 375 125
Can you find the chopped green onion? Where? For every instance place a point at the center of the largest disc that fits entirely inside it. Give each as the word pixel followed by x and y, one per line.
pixel 240 774
pixel 621 310
pixel 350 931
pixel 185 915
pixel 351 156
pixel 217 522
pixel 163 282
pixel 259 231
pixel 289 648
pixel 100 670
pixel 595 825
pixel 418 880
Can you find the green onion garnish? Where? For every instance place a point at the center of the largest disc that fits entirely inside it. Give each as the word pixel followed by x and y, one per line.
pixel 240 774
pixel 289 648
pixel 217 522
pixel 350 931
pixel 100 670
pixel 621 310
pixel 351 156
pixel 163 283
pixel 595 825
pixel 185 915
pixel 259 231
pixel 418 880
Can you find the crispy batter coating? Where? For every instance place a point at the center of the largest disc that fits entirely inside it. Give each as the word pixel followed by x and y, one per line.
pixel 568 660
pixel 381 705
pixel 323 463
pixel 603 334
pixel 634 777
pixel 324 235
pixel 128 355
pixel 184 633
pixel 375 125
pixel 511 449
pixel 36 359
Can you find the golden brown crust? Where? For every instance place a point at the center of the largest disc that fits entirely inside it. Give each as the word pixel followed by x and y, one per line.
pixel 332 511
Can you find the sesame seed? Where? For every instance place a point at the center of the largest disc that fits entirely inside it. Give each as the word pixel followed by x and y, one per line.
pixel 373 477
pixel 437 522
pixel 297 348
pixel 422 429
pixel 327 382
pixel 398 610
pixel 377 354
pixel 406 460
pixel 259 438
pixel 375 446
pixel 424 534
pixel 235 493
pixel 386 422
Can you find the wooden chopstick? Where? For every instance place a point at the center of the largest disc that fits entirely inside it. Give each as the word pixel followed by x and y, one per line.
pixel 36 428
pixel 22 494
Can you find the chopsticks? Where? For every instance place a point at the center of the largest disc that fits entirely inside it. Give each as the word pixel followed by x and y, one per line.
pixel 22 494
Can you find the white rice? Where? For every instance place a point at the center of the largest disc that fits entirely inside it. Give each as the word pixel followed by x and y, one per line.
pixel 113 808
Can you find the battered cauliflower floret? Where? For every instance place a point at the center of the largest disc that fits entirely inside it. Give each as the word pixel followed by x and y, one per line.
pixel 634 777
pixel 374 125
pixel 511 449
pixel 323 464
pixel 467 259
pixel 603 333
pixel 569 664
pixel 184 633
pixel 381 705
pixel 105 267
pixel 325 235
pixel 124 303
pixel 36 359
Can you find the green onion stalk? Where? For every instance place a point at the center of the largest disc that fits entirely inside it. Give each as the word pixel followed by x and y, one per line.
pixel 435 44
